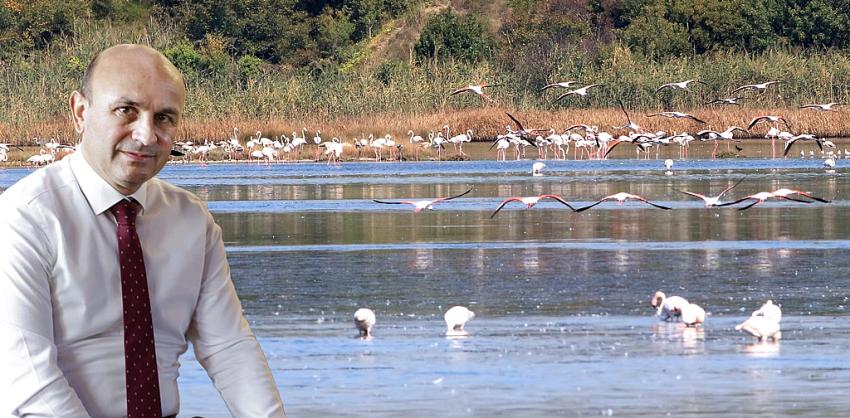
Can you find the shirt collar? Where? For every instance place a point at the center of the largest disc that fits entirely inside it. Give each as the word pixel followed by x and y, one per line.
pixel 100 195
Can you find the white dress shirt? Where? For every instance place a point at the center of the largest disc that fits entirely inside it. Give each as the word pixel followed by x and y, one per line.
pixel 61 322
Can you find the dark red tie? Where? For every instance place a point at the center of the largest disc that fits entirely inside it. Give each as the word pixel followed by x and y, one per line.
pixel 139 348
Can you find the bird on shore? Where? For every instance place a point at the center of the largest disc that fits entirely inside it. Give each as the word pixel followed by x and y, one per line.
pixel 420 205
pixel 364 320
pixel 667 309
pixel 692 315
pixel 475 88
pixel 758 86
pixel 764 322
pixel 679 85
pixel 825 107
pixel 711 201
pixel 537 169
pixel 579 92
pixel 530 201
pixel 562 84
pixel 456 317
pixel 620 198
pixel 677 115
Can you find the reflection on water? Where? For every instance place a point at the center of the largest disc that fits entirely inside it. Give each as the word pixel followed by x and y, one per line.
pixel 563 324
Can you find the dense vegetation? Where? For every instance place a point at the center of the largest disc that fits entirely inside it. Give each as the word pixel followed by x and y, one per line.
pixel 296 60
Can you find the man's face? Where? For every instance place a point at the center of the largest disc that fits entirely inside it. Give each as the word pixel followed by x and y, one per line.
pixel 129 121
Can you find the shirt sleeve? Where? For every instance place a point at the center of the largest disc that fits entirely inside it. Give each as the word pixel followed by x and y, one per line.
pixel 224 344
pixel 31 382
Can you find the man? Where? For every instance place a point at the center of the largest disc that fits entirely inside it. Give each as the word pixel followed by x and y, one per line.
pixel 76 318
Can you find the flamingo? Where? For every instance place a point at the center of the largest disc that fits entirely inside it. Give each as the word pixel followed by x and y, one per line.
pixel 620 198
pixel 680 85
pixel 502 143
pixel 758 198
pixel 420 205
pixel 667 309
pixel 475 88
pixel 784 193
pixel 726 101
pixel 692 314
pixel 828 163
pixel 530 201
pixel 364 320
pixel 630 125
pixel 560 84
pixel 537 169
pixel 764 322
pixel 668 166
pixel 711 201
pixel 761 328
pixel 579 92
pixel 770 311
pixel 317 140
pixel 802 137
pixel 759 86
pixel 456 317
pixel 677 115
pixel 415 140
pixel 825 107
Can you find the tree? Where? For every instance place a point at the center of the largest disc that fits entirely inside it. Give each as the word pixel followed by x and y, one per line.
pixel 448 35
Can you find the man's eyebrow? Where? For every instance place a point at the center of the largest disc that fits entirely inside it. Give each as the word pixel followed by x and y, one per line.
pixel 124 101
pixel 170 111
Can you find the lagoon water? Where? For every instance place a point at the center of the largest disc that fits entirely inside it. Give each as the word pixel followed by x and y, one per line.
pixel 563 324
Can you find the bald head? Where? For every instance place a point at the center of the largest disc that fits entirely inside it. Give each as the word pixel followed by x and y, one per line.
pixel 125 54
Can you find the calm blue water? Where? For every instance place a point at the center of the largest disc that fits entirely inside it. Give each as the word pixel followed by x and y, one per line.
pixel 563 326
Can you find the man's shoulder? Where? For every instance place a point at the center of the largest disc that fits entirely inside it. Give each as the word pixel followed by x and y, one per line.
pixel 174 196
pixel 39 186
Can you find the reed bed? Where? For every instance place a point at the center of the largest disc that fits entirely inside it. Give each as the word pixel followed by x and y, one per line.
pixel 402 95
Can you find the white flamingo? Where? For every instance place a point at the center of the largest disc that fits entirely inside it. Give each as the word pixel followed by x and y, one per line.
pixel 456 317
pixel 364 320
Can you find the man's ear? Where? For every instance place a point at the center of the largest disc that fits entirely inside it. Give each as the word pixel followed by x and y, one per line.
pixel 79 104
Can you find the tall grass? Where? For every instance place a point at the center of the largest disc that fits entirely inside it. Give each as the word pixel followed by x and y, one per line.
pixel 395 98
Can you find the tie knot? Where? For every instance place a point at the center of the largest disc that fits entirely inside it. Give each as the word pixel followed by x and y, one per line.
pixel 125 211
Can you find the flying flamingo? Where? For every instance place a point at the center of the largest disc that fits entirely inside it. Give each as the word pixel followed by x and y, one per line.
pixel 726 101
pixel 680 85
pixel 475 88
pixel 530 201
pixel 579 92
pixel 711 201
pixel 773 119
pixel 667 309
pixel 630 125
pixel 784 193
pixel 677 115
pixel 620 198
pixel 825 107
pixel 802 137
pixel 420 205
pixel 758 198
pixel 759 86
pixel 562 84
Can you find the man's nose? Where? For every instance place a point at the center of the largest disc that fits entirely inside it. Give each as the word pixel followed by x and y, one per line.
pixel 144 131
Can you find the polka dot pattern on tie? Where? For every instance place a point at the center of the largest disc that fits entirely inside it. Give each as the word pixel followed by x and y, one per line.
pixel 139 349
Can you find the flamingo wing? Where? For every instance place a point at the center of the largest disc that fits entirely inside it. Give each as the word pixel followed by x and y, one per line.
pixel 651 203
pixel 441 199
pixel 788 146
pixel 558 198
pixel 388 203
pixel 813 197
pixel 731 187
pixel 697 195
pixel 504 202
pixel 515 121
pixel 458 91
pixel 592 204
pixel 694 118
